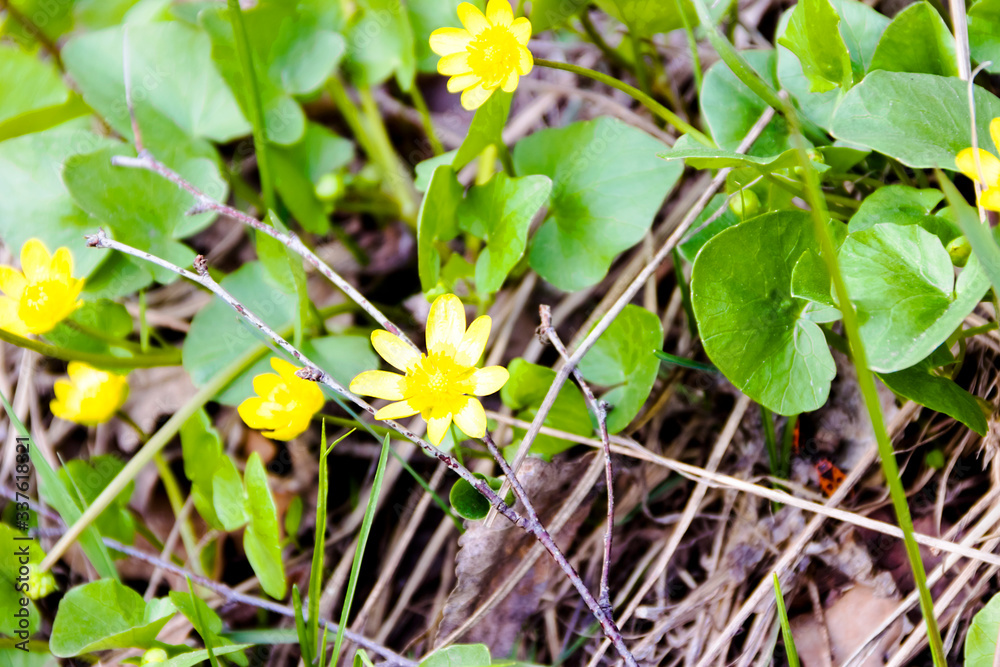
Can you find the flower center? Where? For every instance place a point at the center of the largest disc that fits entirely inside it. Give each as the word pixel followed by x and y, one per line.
pixel 493 54
pixel 437 376
pixel 43 304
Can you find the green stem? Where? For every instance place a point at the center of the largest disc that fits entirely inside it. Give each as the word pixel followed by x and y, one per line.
pixel 97 359
pixel 97 334
pixel 425 117
pixel 143 327
pixel 597 38
pixel 770 441
pixel 692 44
pixel 786 628
pixel 866 382
pixel 176 500
pixel 399 179
pixel 254 102
pixel 641 72
pixel 663 112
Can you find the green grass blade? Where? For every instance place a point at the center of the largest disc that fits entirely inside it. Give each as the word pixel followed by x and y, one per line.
pixel 684 362
pixel 359 551
pixel 978 234
pixel 201 627
pixel 306 644
pixel 59 498
pixel 786 629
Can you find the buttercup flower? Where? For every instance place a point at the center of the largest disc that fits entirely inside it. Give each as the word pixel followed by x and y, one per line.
pixel 38 299
pixel 989 178
pixel 436 384
pixel 490 53
pixel 285 403
pixel 90 396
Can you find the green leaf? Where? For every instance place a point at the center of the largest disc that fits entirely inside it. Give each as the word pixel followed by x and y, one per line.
pixel 381 44
pixel 469 503
pixel 981 641
pixel 460 655
pixel 262 537
pixel 86 328
pixel 436 221
pixel 716 158
pixel 524 393
pixel 31 171
pixel 751 325
pixel 173 82
pixel 295 49
pixel 486 129
pixel 607 185
pixel 917 24
pixel 813 35
pixel 547 14
pixel 898 204
pixel 880 113
pixel 200 656
pixel 698 235
pixel 645 19
pixel 104 615
pixel 206 622
pixel 984 33
pixel 860 29
pixel 344 357
pixel 500 212
pixel 902 283
pixel 12 591
pixel 89 478
pixel 730 109
pixel 623 358
pixel 426 16
pixel 29 84
pixel 980 236
pixel 919 384
pixel 214 479
pixel 299 167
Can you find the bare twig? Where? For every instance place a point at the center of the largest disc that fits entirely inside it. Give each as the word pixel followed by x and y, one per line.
pixel 290 240
pixel 601 613
pixel 314 373
pixel 600 409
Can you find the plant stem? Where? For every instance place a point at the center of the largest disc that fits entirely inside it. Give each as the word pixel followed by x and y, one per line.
pixel 692 44
pixel 254 103
pixel 866 383
pixel 786 628
pixel 598 39
pixel 176 500
pixel 97 359
pixel 767 418
pixel 399 179
pixel 425 116
pixel 663 112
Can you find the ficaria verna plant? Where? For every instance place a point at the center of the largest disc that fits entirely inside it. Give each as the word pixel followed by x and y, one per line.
pixel 586 237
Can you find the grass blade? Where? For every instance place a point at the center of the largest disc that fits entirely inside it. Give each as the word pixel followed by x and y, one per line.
pixel 786 629
pixel 359 551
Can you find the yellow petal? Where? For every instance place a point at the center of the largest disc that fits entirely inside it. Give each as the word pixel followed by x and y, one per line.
pixel 475 96
pixel 521 29
pixel 9 319
pixel 265 384
pixel 474 341
pixel 438 422
pixel 445 325
pixel 61 267
pixel 524 61
pixel 35 260
pixel 487 380
pixel 461 82
pixel 284 368
pixel 990 199
pixel 289 431
pixel 380 384
pixel 995 132
pixel 471 418
pixel 446 41
pixel 255 413
pixel 454 64
pixel 392 348
pixel 472 18
pixel 966 162
pixel 397 410
pixel 12 282
pixel 498 12
pixel 509 84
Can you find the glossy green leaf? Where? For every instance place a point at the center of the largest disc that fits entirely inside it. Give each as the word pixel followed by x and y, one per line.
pixel 485 130
pixel 12 591
pixel 86 328
pixel 981 640
pixel 860 29
pixel 881 113
pixel 104 614
pixel 607 185
pixel 982 239
pixel 206 622
pixel 702 230
pixel 200 656
pixel 469 503
pixel 902 283
pixel 646 18
pixel 624 360
pixel 500 212
pixel 730 109
pixel 460 655
pixel 31 171
pixel 173 82
pixel 917 24
pixel 813 35
pixel 984 33
pixel 436 221
pixel 29 84
pixel 381 44
pixel 299 167
pixel 751 325
pixel 919 384
pixel 548 14
pixel 215 483
pixel 898 204
pixel 716 158
pixel 524 393
pixel 88 478
pixel 342 356
pixel 426 16
pixel 262 537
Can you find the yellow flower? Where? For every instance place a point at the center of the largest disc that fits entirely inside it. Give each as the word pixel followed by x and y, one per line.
pixel 436 384
pixel 989 177
pixel 43 296
pixel 285 403
pixel 490 53
pixel 90 396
